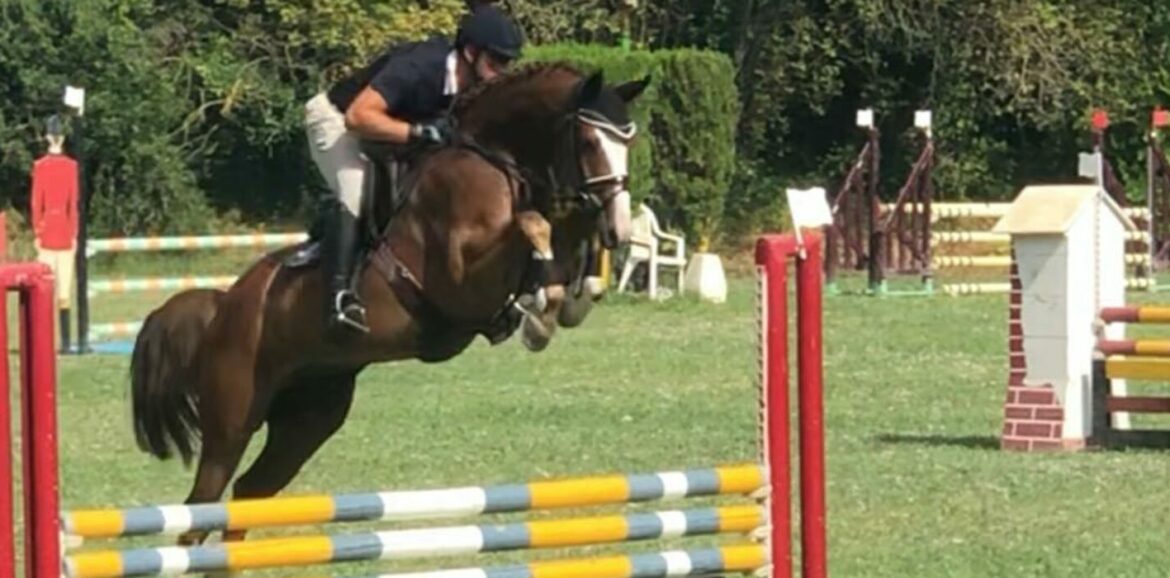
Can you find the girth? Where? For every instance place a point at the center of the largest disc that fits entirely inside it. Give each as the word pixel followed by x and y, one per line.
pixel 405 286
pixel 408 290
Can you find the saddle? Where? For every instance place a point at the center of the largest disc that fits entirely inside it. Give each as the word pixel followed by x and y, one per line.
pixel 390 175
pixel 387 166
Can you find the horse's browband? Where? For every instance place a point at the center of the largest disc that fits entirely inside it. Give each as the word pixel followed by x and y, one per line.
pixel 598 120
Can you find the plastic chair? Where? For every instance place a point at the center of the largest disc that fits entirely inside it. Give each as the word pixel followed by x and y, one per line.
pixel 647 241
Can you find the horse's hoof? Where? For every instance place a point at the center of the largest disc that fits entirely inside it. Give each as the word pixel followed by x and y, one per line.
pixel 192 538
pixel 574 311
pixel 534 334
pixel 595 287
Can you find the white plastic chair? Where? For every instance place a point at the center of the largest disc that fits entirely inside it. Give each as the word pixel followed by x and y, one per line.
pixel 647 241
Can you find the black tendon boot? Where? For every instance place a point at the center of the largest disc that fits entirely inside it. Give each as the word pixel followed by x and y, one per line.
pixel 339 252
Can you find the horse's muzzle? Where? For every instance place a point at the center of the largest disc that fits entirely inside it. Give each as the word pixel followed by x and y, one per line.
pixel 616 223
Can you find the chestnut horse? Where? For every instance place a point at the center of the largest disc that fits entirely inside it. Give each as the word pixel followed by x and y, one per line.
pixel 491 231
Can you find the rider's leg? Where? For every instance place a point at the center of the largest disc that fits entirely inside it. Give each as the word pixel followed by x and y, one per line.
pixel 338 155
pixel 339 252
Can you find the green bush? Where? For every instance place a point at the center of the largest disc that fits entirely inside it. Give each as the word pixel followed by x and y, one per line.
pixel 694 136
pixel 684 159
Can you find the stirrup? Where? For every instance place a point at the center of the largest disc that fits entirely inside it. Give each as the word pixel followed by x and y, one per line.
pixel 341 313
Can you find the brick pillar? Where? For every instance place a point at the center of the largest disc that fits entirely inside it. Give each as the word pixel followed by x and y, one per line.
pixel 1033 416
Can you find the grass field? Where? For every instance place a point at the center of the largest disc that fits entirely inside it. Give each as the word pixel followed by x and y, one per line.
pixel 917 485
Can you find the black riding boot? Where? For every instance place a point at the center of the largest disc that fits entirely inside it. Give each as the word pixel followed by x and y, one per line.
pixel 63 321
pixel 339 251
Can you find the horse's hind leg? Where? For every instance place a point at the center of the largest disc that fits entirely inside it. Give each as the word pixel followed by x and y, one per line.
pixel 231 404
pixel 218 459
pixel 302 417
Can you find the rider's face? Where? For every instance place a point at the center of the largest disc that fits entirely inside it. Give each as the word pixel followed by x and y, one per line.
pixel 487 66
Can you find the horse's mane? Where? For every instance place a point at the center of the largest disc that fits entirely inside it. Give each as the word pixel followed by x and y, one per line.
pixel 515 76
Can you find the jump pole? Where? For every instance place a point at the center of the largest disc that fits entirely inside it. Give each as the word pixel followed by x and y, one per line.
pixel 44 558
pixel 403 506
pixel 33 282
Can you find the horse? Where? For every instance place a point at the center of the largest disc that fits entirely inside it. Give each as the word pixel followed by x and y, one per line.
pixel 494 232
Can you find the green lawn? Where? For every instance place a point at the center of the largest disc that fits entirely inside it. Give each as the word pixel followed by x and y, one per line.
pixel 917 485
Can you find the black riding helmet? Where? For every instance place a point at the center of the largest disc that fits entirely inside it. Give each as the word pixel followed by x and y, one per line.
pixel 490 29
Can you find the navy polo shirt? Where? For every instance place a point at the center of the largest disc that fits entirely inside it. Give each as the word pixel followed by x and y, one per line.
pixel 410 77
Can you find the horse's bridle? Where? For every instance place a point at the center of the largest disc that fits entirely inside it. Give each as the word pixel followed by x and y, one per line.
pixel 577 189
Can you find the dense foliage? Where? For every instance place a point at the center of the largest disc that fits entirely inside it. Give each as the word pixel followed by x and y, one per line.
pixel 192 105
pixel 195 106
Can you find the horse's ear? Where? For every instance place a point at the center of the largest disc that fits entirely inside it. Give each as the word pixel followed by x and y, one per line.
pixel 590 89
pixel 628 91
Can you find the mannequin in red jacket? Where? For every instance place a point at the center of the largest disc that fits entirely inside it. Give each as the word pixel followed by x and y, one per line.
pixel 54 220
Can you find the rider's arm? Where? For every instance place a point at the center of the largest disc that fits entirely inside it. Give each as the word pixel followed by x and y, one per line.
pixel 369 116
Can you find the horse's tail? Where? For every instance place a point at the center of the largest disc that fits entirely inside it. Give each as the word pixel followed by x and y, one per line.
pixel 162 376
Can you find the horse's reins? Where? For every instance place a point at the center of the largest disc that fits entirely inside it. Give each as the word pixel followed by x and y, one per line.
pixel 582 185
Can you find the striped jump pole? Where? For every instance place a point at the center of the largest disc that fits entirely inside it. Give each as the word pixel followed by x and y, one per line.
pixel 740 559
pixel 99 286
pixel 141 244
pixel 103 331
pixel 1139 260
pixel 88 288
pixel 1143 363
pixel 415 505
pixel 996 210
pixel 1003 261
pixel 957 289
pixel 1135 347
pixel 1003 238
pixel 1144 314
pixel 407 544
pixel 1139 368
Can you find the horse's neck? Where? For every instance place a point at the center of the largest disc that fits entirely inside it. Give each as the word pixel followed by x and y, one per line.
pixel 519 119
pixel 527 140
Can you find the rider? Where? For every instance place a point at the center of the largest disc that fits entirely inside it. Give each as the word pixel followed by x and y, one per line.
pixel 401 99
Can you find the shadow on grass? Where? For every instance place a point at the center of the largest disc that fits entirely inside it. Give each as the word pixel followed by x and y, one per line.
pixel 969 442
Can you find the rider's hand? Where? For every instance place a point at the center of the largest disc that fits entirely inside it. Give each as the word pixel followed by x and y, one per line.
pixel 436 133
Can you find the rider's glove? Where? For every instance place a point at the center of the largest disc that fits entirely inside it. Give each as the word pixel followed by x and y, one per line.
pixel 436 133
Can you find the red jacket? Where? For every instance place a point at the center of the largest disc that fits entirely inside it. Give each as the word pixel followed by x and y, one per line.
pixel 54 201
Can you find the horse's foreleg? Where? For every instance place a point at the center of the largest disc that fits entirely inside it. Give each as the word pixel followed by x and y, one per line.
pixel 540 324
